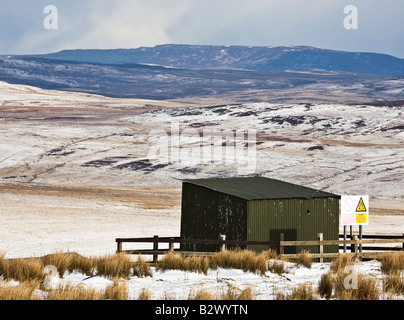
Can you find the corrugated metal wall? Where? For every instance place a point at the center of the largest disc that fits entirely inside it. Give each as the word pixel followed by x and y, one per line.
pixel 298 219
pixel 205 214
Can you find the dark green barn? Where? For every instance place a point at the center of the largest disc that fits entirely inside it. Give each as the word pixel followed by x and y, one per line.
pixel 256 208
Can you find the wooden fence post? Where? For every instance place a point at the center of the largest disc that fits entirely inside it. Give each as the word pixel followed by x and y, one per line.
pixel 281 238
pixel 171 245
pixel 355 237
pixel 155 248
pixel 344 239
pixel 320 247
pixel 403 244
pixel 222 237
pixel 119 246
pixel 351 238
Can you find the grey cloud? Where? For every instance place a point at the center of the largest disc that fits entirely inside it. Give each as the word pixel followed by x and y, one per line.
pixel 133 23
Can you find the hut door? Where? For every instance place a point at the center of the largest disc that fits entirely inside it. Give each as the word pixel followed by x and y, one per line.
pixel 289 235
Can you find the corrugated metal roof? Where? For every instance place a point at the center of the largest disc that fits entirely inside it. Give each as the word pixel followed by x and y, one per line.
pixel 260 188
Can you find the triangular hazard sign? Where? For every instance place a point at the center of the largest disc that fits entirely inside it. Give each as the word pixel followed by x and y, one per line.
pixel 361 206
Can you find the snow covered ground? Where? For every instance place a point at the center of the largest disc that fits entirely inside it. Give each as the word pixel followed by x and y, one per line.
pixel 76 173
pixel 179 285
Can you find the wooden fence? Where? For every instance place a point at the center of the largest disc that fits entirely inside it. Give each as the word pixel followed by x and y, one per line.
pixel 355 245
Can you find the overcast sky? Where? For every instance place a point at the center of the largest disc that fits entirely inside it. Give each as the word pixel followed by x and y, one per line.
pixel 109 24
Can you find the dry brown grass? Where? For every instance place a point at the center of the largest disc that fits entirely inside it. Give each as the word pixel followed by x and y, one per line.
pixel 114 266
pixel 392 263
pixel 394 283
pixel 326 285
pixel 233 293
pixel 4 264
pixel 24 291
pixel 82 264
pixel 69 292
pixel 169 261
pixel 300 292
pixel 145 294
pixel 237 259
pixel 118 290
pixel 246 294
pixel 240 259
pixel 349 285
pixel 341 262
pixel 277 266
pixel 230 293
pixel 141 268
pixel 366 288
pixel 304 259
pixel 201 294
pixel 110 266
pixel 168 296
pixel 22 269
pixel 196 264
pixel 62 261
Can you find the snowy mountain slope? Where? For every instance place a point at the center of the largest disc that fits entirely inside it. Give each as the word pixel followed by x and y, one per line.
pixel 338 148
pixel 296 58
pixel 230 74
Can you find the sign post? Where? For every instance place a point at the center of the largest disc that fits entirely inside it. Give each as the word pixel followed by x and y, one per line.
pixel 354 212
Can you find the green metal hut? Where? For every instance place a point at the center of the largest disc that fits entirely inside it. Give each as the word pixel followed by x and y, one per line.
pixel 258 209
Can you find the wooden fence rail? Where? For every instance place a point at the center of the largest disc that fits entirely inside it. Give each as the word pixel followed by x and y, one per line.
pixel 222 243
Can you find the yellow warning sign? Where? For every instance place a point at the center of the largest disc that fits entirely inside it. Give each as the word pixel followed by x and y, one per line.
pixel 361 206
pixel 355 210
pixel 361 218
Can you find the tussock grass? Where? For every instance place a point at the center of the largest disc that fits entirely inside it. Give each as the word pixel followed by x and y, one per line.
pixel 62 261
pixel 70 292
pixel 174 261
pixel 394 283
pixel 24 291
pixel 301 292
pixel 233 293
pixel 169 261
pixel 168 296
pixel 114 266
pixel 230 293
pixel 201 294
pixel 246 294
pixel 277 266
pixel 4 265
pixel 82 264
pixel 348 286
pixel 110 266
pixel 141 268
pixel 326 285
pixel 392 263
pixel 237 259
pixel 121 266
pixel 196 264
pixel 118 290
pixel 145 294
pixel 341 262
pixel 272 254
pixel 23 269
pixel 304 259
pixel 366 288
pixel 240 259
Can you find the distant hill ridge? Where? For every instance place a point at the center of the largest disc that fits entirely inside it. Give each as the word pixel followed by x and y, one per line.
pixel 214 73
pixel 196 57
